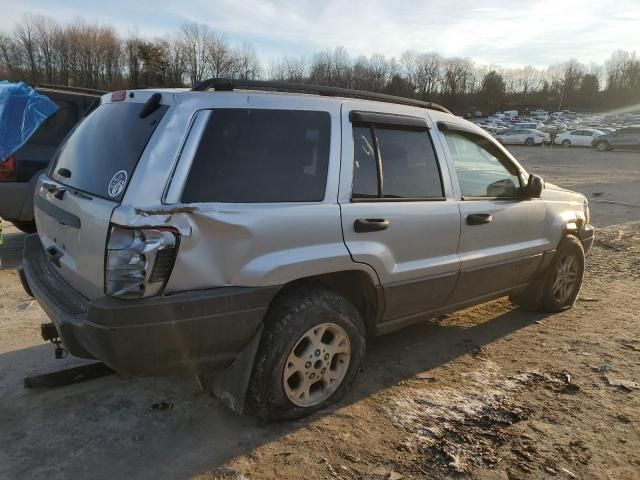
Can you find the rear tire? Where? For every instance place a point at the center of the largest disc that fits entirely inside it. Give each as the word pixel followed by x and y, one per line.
pixel 313 338
pixel 24 226
pixel 529 142
pixel 558 287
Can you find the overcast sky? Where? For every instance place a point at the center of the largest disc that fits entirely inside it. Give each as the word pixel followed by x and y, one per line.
pixel 507 33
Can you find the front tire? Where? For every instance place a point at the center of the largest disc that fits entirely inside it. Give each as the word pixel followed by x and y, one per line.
pixel 558 287
pixel 566 143
pixel 310 353
pixel 529 142
pixel 602 146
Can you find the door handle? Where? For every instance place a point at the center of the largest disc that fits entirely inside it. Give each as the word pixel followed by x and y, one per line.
pixel 363 225
pixel 479 218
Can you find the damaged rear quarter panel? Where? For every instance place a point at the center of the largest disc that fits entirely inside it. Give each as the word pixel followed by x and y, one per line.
pixel 258 245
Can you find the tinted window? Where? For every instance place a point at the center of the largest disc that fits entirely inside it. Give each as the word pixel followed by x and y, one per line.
pixel 249 155
pixel 56 127
pixel 408 163
pixel 409 166
pixel 483 170
pixel 365 173
pixel 107 142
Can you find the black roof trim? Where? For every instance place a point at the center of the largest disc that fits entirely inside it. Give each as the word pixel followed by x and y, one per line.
pixel 227 85
pixel 67 88
pixel 400 121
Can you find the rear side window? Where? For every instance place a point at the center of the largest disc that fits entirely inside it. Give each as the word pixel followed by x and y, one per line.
pixel 261 156
pixel 102 153
pixel 56 127
pixel 407 162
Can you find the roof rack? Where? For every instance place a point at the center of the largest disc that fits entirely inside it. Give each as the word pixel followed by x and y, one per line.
pixel 227 85
pixel 68 88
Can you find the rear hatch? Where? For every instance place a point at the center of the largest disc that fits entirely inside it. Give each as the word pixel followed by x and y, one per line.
pixel 88 177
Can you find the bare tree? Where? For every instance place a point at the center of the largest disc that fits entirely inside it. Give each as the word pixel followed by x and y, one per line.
pixel 25 36
pixel 248 63
pixel 196 38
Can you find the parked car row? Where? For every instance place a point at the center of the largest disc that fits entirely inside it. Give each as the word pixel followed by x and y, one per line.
pixel 568 129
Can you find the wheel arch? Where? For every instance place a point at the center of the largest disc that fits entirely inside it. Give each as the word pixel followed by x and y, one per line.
pixel 356 286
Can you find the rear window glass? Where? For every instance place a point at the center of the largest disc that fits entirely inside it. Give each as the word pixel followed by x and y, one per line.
pixel 261 156
pixel 56 127
pixel 103 151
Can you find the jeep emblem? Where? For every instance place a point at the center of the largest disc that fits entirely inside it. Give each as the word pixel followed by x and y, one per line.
pixel 117 183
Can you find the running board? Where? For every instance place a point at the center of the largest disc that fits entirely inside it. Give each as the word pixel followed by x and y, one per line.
pixel 68 376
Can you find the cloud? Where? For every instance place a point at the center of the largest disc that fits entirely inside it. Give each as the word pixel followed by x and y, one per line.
pixel 536 32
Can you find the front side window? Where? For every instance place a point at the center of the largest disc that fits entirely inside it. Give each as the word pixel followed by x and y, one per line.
pixel 407 163
pixel 261 156
pixel 483 170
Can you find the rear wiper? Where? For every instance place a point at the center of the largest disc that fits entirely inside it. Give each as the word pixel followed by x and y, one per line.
pixel 150 105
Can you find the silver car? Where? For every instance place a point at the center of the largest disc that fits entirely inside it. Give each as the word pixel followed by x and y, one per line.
pixel 265 235
pixel 523 136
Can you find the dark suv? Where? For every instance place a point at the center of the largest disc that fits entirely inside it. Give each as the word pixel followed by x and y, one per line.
pixel 628 137
pixel 19 172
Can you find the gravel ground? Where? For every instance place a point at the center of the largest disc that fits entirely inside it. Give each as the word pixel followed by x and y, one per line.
pixel 490 392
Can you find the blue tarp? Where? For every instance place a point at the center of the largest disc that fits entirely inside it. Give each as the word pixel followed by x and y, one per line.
pixel 22 111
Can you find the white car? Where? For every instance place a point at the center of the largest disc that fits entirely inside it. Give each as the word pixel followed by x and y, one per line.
pixel 578 138
pixel 523 136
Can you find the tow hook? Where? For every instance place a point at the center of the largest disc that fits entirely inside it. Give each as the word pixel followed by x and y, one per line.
pixel 49 333
pixel 68 376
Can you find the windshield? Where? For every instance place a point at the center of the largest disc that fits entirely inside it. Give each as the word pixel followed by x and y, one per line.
pixel 102 152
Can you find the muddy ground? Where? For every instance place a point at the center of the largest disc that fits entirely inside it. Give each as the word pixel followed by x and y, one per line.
pixel 489 392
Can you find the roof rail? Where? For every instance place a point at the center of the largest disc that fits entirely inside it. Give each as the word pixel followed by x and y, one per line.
pixel 68 88
pixel 227 85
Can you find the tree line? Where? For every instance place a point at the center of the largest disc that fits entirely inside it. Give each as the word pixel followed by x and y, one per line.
pixel 40 50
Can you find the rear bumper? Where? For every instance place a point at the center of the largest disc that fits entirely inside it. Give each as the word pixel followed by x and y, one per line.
pixel 190 330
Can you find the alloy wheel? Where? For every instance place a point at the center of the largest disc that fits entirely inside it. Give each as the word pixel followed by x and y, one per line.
pixel 565 279
pixel 317 365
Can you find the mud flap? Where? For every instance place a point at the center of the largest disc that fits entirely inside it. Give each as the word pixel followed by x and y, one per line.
pixel 231 384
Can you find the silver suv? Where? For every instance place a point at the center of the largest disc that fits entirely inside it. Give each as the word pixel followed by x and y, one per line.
pixel 263 231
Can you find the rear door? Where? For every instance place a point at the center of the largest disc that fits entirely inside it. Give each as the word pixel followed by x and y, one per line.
pixel 581 138
pixel 398 214
pixel 87 180
pixel 501 235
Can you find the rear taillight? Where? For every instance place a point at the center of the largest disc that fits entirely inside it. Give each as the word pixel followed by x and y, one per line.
pixel 139 260
pixel 8 170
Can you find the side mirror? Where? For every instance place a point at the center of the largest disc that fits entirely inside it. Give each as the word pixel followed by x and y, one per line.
pixel 534 187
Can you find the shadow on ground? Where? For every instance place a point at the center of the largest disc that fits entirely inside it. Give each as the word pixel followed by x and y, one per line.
pixel 106 428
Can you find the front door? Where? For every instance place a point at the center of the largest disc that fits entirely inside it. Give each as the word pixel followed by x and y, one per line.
pixel 398 212
pixel 501 234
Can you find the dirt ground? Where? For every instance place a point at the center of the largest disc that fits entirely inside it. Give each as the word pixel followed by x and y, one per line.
pixel 491 392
